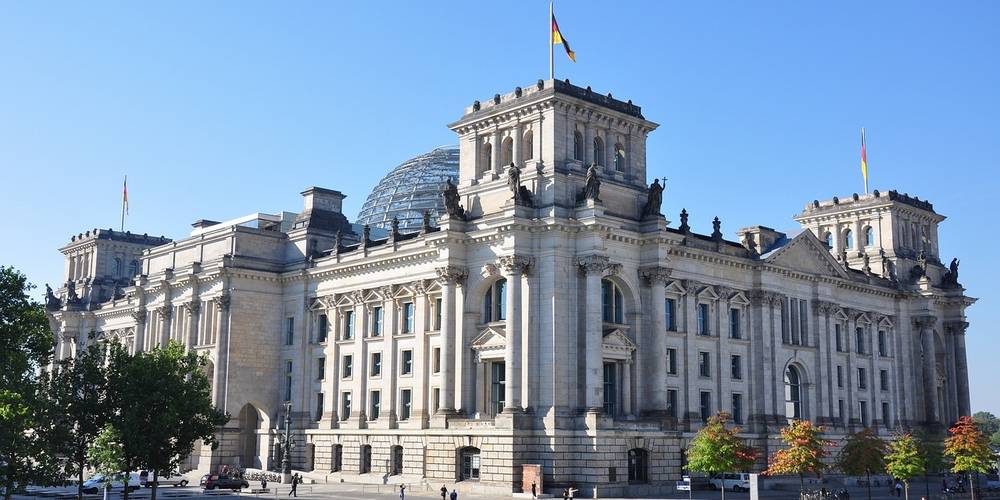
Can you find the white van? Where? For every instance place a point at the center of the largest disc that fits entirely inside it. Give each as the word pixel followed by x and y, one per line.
pixel 98 482
pixel 732 481
pixel 146 479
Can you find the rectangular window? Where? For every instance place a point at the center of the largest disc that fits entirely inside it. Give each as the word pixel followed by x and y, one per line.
pixel 737 409
pixel 672 361
pixel 840 410
pixel 406 366
pixel 882 348
pixel 672 403
pixel 377 322
pixel 704 364
pixel 348 365
pixel 321 329
pixel 706 405
pixel 862 378
pixel 734 324
pixel 348 325
pixel 670 314
pixel 840 376
pixel 345 406
pixel 376 370
pixel 376 405
pixel 703 319
pixel 435 399
pixel 497 387
pixel 405 403
pixel 289 331
pixel 288 380
pixel 436 360
pixel 736 366
pixel 321 369
pixel 803 323
pixel 319 405
pixel 839 337
pixel 859 341
pixel 883 379
pixel 408 317
pixel 863 412
pixel 437 314
pixel 610 389
pixel 886 418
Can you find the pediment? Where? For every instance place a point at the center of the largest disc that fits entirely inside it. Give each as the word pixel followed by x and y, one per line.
pixel 708 293
pixel 885 322
pixel 863 319
pixel 840 314
pixel 739 298
pixel 490 339
pixel 617 339
pixel 805 253
pixel 675 286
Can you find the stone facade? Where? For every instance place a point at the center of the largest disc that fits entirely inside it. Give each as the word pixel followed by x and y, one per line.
pixel 556 319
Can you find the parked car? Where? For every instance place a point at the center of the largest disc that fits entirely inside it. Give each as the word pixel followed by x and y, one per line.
pixel 98 482
pixel 732 481
pixel 217 482
pixel 146 479
pixel 992 485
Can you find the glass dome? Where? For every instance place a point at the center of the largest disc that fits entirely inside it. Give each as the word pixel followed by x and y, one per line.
pixel 411 188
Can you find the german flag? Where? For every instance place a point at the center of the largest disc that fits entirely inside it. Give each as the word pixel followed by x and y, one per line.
pixel 558 38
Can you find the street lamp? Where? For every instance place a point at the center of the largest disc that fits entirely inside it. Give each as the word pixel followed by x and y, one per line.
pixel 286 441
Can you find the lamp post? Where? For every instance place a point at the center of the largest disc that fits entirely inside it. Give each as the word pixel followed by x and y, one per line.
pixel 287 443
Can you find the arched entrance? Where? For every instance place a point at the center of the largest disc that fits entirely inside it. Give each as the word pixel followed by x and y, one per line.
pixel 249 450
pixel 468 464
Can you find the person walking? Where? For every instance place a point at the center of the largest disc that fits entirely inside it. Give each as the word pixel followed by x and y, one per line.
pixel 572 491
pixel 899 488
pixel 454 494
pixel 295 485
pixel 402 492
pixel 534 490
pixel 444 492
pixel 565 493
pixel 263 482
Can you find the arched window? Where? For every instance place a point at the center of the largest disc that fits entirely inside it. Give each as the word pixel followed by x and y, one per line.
pixel 869 237
pixel 638 465
pixel 119 267
pixel 365 465
pixel 848 239
pixel 793 393
pixel 396 461
pixel 612 303
pixel 828 239
pixel 619 158
pixel 468 460
pixel 527 147
pixel 577 145
pixel 599 151
pixel 507 152
pixel 487 159
pixel 495 302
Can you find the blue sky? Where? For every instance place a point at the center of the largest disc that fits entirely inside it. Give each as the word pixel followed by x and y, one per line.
pixel 218 109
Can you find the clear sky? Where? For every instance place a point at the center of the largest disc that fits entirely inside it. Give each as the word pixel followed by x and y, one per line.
pixel 219 109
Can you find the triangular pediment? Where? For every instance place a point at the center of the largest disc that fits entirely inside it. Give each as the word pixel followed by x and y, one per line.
pixel 805 253
pixel 675 286
pixel 490 339
pixel 708 293
pixel 616 338
pixel 739 298
pixel 885 322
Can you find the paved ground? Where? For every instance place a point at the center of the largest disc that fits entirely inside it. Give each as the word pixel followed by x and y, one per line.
pixel 388 492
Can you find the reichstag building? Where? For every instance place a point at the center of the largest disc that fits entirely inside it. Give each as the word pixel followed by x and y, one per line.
pixel 520 299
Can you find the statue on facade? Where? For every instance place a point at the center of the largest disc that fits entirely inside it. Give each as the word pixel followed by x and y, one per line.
pixel 716 229
pixel 451 201
pixel 654 199
pixel 592 189
pixel 71 296
pixel 425 226
pixel 394 231
pixel 684 227
pixel 52 302
pixel 950 278
pixel 750 245
pixel 338 242
pixel 867 267
pixel 514 179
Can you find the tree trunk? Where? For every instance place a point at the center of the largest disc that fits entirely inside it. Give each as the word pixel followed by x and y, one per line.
pixel 80 460
pixel 723 487
pixel 906 490
pixel 152 493
pixel 927 485
pixel 868 474
pixel 802 485
pixel 128 477
pixel 972 488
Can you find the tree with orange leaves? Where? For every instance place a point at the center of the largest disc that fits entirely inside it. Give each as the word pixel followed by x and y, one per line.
pixel 968 449
pixel 717 449
pixel 804 454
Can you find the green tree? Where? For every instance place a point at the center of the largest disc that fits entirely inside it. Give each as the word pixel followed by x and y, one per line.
pixel 107 456
pixel 166 407
pixel 716 449
pixel 25 349
pixel 933 454
pixel 989 425
pixel 968 450
pixel 863 454
pixel 904 460
pixel 78 387
pixel 804 453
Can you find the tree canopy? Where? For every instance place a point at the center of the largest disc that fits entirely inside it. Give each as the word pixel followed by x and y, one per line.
pixel 804 453
pixel 904 460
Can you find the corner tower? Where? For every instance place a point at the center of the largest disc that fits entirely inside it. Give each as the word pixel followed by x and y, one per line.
pixel 552 132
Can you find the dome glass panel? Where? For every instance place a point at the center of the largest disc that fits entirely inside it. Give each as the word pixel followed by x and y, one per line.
pixel 409 189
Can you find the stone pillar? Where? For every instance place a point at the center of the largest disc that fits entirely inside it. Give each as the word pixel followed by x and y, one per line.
pixel 222 303
pixel 359 372
pixel 627 387
pixel 448 277
pixel 514 267
pixel 593 267
pixel 656 355
pixel 516 150
pixel 495 146
pixel 925 324
pixel 957 329
pixel 588 144
pixel 139 315
pixel 193 308
pixel 164 314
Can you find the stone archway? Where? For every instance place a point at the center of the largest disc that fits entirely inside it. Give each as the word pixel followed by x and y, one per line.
pixel 249 447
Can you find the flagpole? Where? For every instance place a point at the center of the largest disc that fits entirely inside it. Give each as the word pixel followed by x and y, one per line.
pixel 124 191
pixel 552 64
pixel 865 149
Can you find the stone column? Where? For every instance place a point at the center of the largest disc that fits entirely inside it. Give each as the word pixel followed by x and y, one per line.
pixel 495 146
pixel 656 355
pixel 925 324
pixel 593 267
pixel 756 335
pixel 360 374
pixel 958 329
pixel 588 144
pixel 448 277
pixel 514 267
pixel 516 150
pixel 164 314
pixel 139 315
pixel 193 308
pixel 222 303
pixel 627 387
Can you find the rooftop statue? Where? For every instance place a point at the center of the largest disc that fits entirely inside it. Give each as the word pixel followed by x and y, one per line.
pixel 654 199
pixel 592 189
pixel 451 201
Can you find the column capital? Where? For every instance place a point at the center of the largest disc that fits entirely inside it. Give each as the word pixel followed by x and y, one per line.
pixel 139 315
pixel 165 311
pixel 592 264
pixel 515 263
pixel 652 275
pixel 193 306
pixel 758 297
pixel 926 321
pixel 451 274
pixel 222 301
pixel 956 327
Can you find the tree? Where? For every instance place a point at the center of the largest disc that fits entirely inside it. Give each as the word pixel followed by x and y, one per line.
pixel 968 450
pixel 716 449
pixel 25 349
pixel 166 406
pixel 933 455
pixel 78 387
pixel 989 425
pixel 107 455
pixel 904 461
pixel 863 454
pixel 804 454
